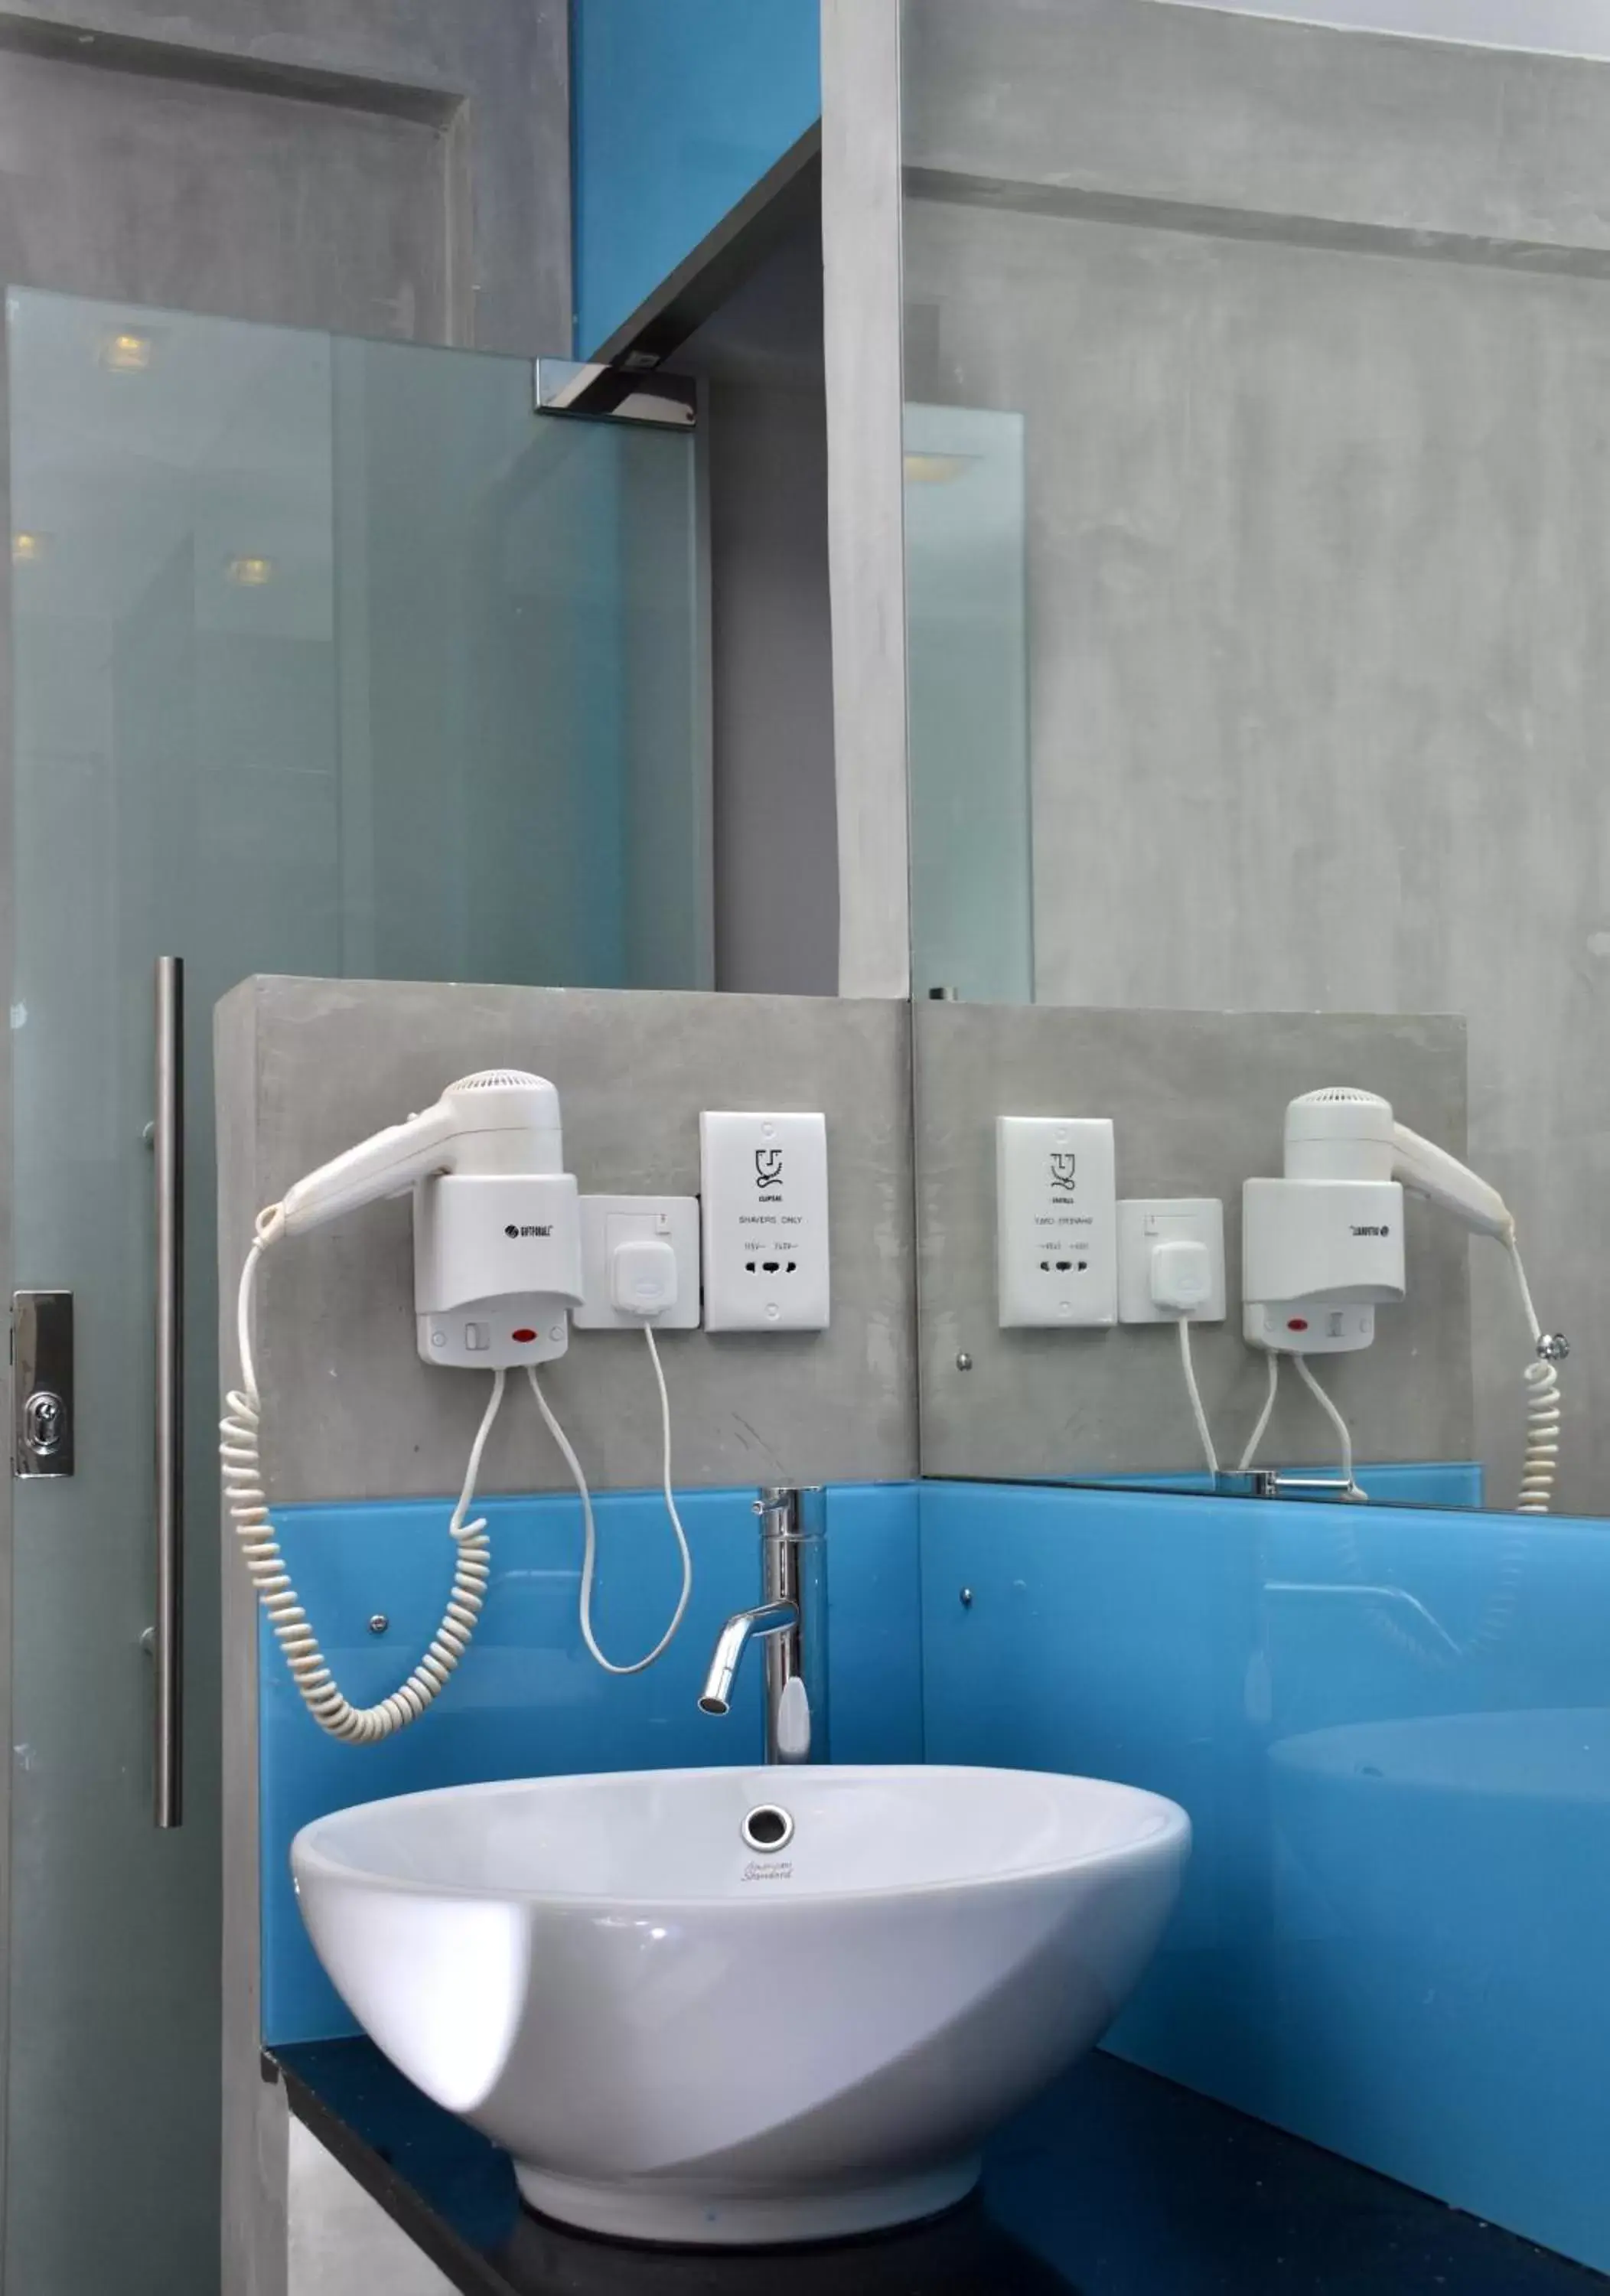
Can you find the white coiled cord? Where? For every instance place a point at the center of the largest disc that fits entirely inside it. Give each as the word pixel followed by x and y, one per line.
pixel 1540 1462
pixel 241 1454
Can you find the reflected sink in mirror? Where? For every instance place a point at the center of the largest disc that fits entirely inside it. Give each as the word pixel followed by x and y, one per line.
pixel 729 2007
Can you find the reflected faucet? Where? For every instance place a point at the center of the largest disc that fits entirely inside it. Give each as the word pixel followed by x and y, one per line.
pixel 791 1620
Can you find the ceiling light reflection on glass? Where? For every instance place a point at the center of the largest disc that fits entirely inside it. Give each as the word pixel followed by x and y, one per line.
pixel 249 571
pixel 936 470
pixel 26 549
pixel 126 352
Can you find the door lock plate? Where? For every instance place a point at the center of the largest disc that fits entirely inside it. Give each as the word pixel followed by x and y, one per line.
pixel 42 1384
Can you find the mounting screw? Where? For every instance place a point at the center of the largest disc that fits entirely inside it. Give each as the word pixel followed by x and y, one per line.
pixel 967 1598
pixel 964 1362
pixel 378 1623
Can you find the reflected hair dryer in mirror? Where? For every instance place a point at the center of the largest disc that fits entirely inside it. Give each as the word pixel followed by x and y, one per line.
pixel 1322 1248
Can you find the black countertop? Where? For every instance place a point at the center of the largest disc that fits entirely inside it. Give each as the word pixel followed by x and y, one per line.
pixel 1115 2184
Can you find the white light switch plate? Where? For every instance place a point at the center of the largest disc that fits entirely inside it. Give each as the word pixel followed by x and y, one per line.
pixel 1144 1222
pixel 1055 1201
pixel 609 1220
pixel 765 1195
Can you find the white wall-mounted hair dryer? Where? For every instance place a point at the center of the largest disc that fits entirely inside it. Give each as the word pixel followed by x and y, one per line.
pixel 496 1231
pixel 1322 1247
pixel 497 1267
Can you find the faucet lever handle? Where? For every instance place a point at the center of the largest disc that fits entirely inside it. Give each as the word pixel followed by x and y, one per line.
pixel 794 1721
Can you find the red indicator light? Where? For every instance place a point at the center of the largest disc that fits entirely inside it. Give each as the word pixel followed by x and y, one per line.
pixel 1297 1324
pixel 522 1335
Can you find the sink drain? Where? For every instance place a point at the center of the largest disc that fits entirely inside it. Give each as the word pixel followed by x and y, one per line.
pixel 767 1828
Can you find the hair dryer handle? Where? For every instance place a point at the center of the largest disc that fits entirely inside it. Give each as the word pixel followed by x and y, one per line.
pixel 1433 1173
pixel 386 1164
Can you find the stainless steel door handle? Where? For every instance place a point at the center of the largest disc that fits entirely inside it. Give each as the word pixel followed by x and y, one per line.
pixel 168 1639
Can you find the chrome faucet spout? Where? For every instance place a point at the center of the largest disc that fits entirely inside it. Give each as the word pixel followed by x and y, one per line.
pixel 791 1620
pixel 740 1629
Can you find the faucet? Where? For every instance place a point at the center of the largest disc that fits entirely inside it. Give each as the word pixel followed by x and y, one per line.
pixel 791 1619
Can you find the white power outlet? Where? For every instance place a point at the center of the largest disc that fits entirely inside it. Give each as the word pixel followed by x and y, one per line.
pixel 1151 1226
pixel 1055 1192
pixel 608 1222
pixel 765 1221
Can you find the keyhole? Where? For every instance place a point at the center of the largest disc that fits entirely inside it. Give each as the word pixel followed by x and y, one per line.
pixel 45 1422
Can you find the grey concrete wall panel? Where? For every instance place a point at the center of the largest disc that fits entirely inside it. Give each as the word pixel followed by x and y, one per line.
pixel 1238 115
pixel 253 2245
pixel 861 323
pixel 352 1412
pixel 397 170
pixel 1197 1100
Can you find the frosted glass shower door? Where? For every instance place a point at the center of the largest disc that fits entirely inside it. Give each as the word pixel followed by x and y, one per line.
pixel 327 657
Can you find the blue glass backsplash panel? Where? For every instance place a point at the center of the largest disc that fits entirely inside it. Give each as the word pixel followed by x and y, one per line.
pixel 527 1702
pixel 1391 1732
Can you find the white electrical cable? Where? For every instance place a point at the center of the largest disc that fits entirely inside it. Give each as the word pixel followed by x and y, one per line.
pixel 241 1453
pixel 1343 1434
pixel 590 1533
pixel 1264 1416
pixel 1204 1431
pixel 1540 1462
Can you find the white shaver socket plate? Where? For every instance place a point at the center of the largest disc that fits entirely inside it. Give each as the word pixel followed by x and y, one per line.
pixel 1144 1222
pixel 1056 1248
pixel 764 1198
pixel 607 1221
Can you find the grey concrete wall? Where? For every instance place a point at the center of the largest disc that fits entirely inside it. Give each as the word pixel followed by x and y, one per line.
pixel 387 170
pixel 1198 1101
pixel 860 250
pixel 1318 481
pixel 352 1412
pixel 1572 28
pixel 342 2241
pixel 1227 115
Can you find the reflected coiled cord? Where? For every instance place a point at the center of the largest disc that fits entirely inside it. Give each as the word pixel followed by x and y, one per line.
pixel 1540 1462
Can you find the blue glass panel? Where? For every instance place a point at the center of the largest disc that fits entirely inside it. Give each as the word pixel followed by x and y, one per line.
pixel 676 113
pixel 1392 1731
pixel 875 1622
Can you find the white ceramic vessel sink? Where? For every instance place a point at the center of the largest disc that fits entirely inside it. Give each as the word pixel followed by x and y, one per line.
pixel 680 2035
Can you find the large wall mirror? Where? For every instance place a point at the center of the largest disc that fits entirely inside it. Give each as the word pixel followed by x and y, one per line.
pixel 1257 489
